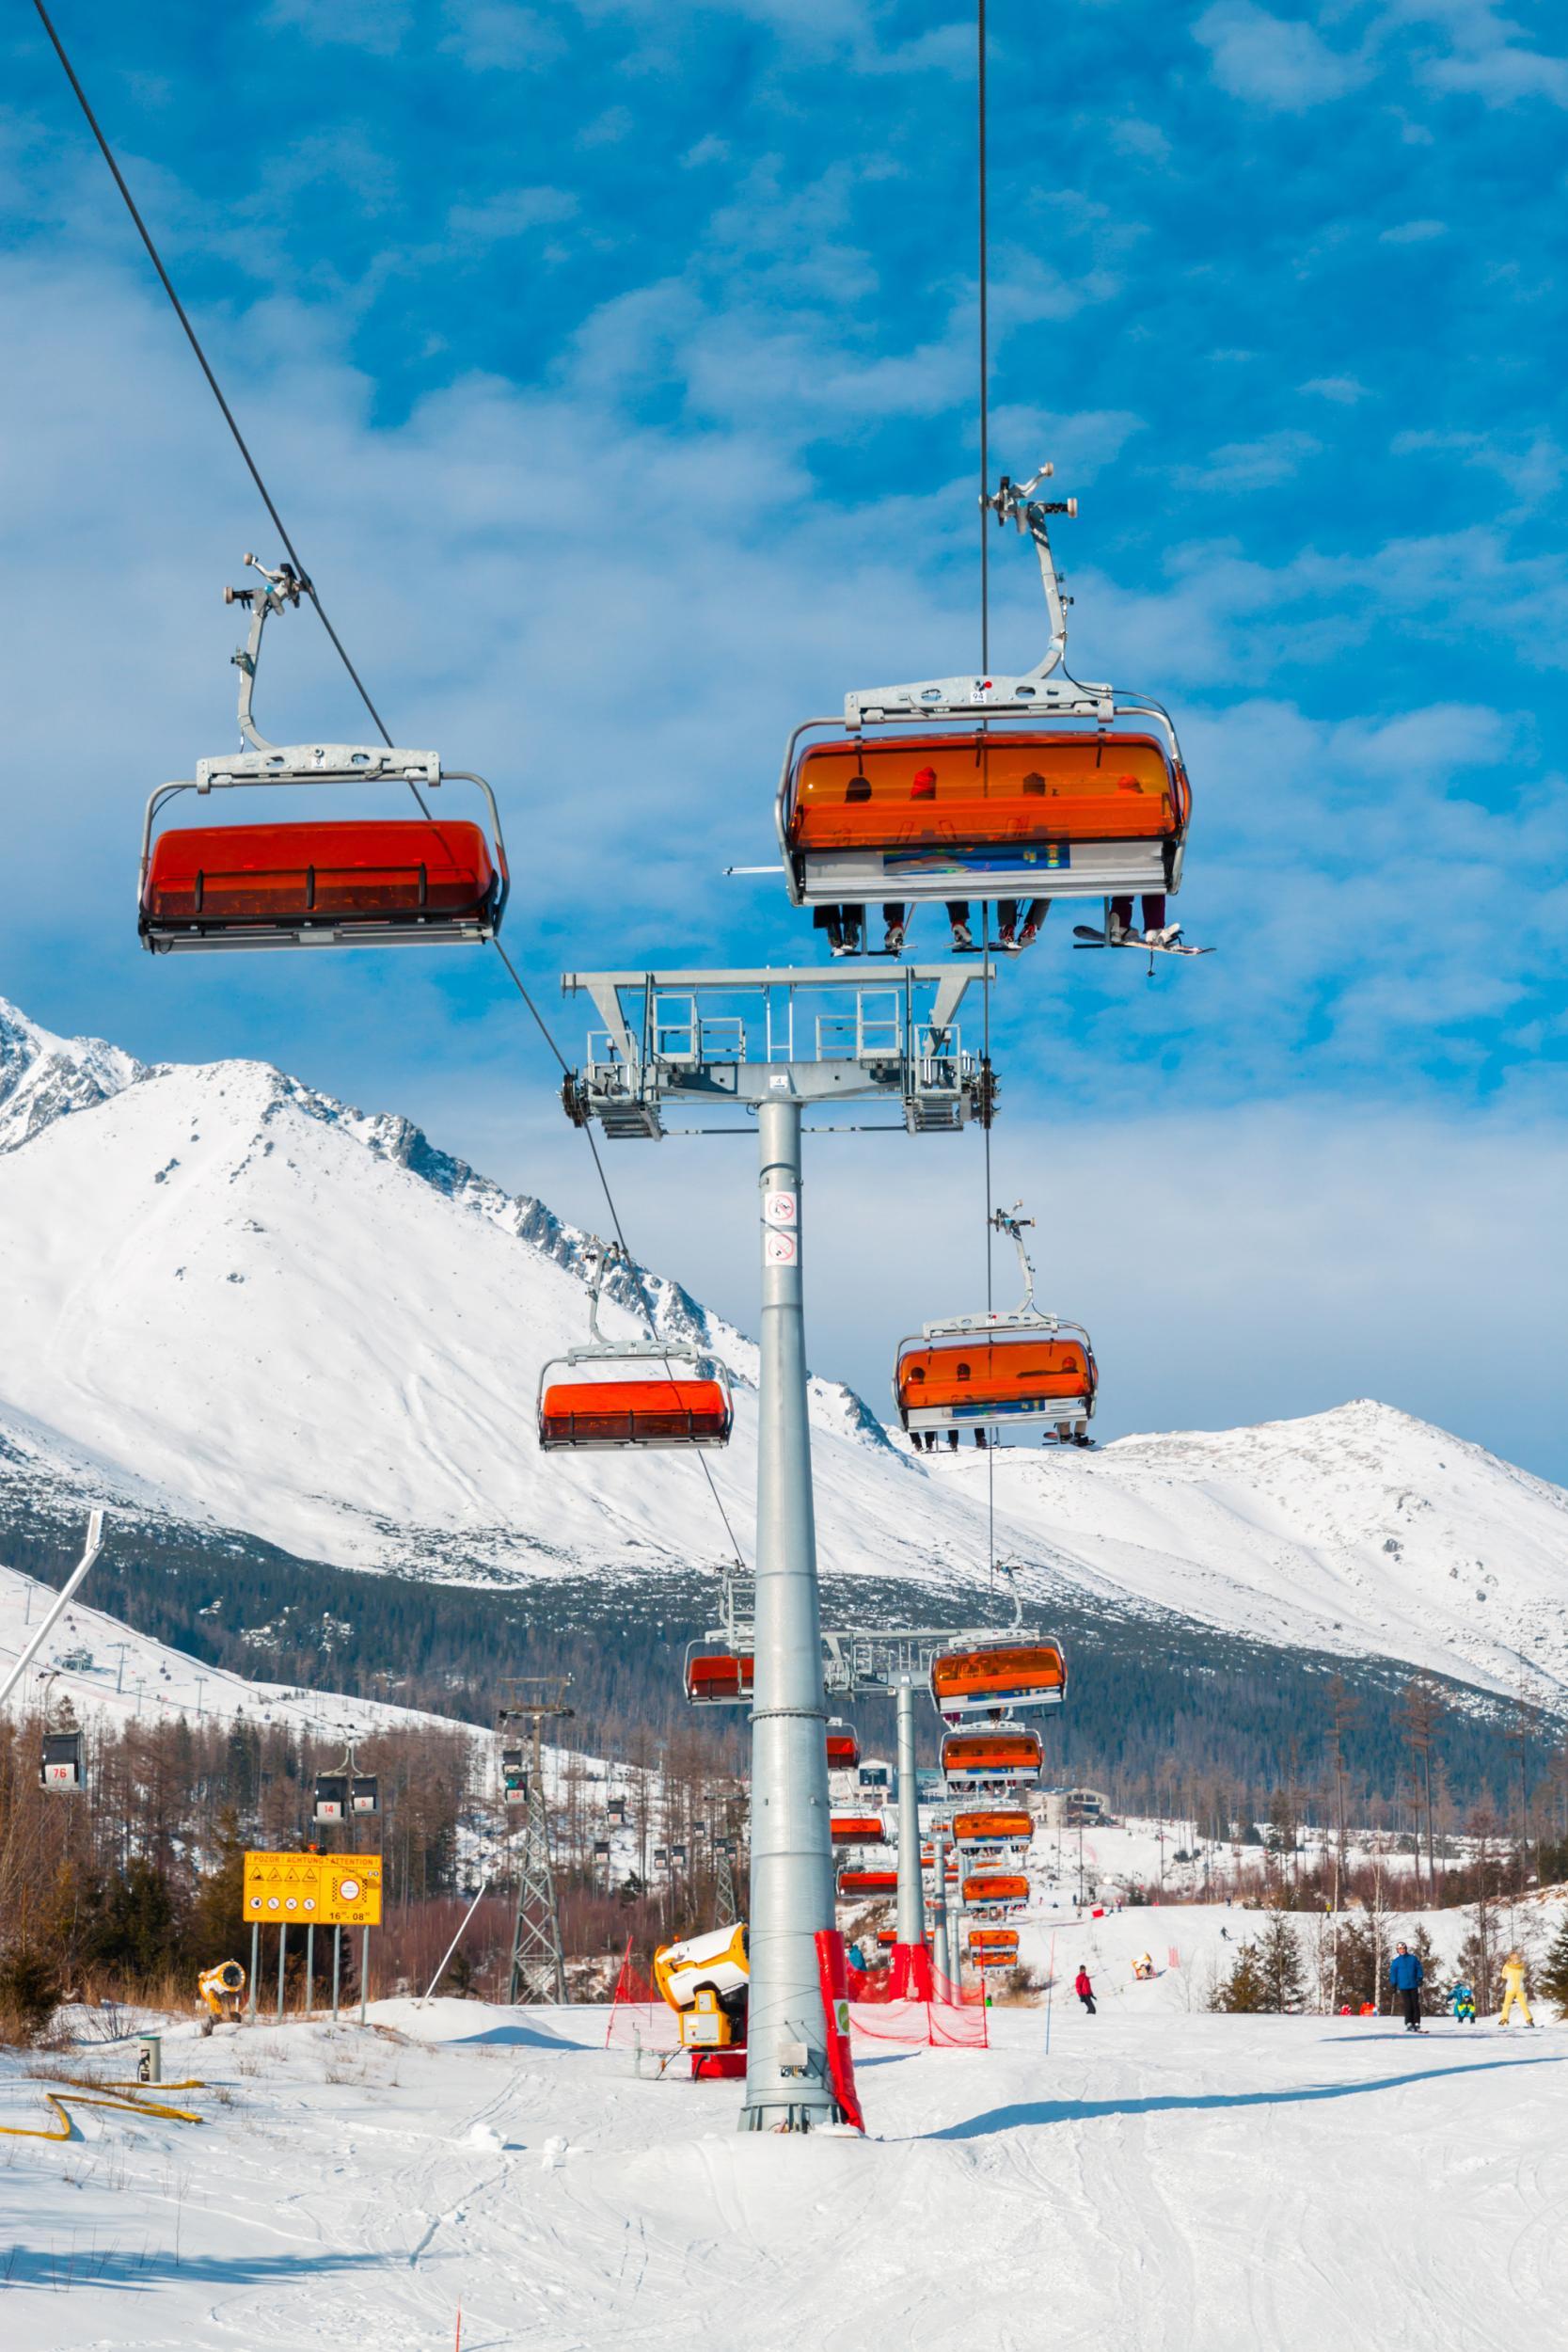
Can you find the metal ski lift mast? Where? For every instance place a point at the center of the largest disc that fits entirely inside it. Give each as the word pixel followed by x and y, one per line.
pixel 56 1609
pixel 538 1969
pixel 672 1040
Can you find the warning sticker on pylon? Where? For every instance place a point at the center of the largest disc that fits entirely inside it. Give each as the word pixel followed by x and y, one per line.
pixel 780 1248
pixel 781 1208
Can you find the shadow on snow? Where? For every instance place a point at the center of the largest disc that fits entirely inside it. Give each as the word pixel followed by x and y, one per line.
pixel 1089 2110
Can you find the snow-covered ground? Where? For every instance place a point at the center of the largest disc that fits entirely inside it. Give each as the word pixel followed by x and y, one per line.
pixel 232 1299
pixel 107 1670
pixel 1159 2180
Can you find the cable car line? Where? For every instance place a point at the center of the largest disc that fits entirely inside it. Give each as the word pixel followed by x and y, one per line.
pixel 229 420
pixel 306 587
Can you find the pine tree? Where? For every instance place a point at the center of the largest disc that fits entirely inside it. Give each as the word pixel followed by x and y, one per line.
pixel 1552 1974
pixel 1244 1991
pixel 1279 1964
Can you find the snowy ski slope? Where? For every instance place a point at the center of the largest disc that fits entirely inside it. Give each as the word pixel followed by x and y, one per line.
pixel 231 1298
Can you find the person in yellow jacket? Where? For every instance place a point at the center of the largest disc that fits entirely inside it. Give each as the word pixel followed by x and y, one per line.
pixel 1514 1991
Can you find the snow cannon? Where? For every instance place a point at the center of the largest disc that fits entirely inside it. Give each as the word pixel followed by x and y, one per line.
pixel 706 1980
pixel 222 1990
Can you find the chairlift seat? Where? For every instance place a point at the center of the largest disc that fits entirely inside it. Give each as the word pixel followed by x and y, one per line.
pixel 854 1884
pixel 857 1829
pixel 585 1414
pixel 719 1681
pixel 1071 815
pixel 382 882
pixel 999 1756
pixel 995 1679
pixel 992 1832
pixel 995 1890
pixel 992 1378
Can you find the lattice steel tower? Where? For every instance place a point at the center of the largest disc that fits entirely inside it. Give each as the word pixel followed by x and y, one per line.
pixel 538 1971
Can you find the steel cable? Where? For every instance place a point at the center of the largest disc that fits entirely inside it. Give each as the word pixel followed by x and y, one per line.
pixel 307 584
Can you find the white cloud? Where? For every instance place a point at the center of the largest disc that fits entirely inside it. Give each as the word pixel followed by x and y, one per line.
pixel 1533 469
pixel 1414 233
pixel 1259 465
pixel 1271 61
pixel 1344 391
pixel 509 212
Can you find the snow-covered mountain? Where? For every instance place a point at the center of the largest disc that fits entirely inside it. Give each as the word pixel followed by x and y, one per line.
pixel 230 1298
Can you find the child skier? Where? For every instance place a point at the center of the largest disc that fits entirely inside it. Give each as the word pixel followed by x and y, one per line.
pixel 1514 1991
pixel 1462 2000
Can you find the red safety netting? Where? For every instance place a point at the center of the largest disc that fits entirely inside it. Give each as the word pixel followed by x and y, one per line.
pixel 832 1970
pixel 639 2020
pixel 910 1975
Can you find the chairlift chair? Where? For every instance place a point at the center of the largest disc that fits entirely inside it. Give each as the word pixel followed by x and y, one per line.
pixel 718 1678
pixel 999 1830
pixel 336 883
pixel 995 1891
pixel 1000 1371
pixel 857 1829
pixel 843 1747
pixel 1036 785
pixel 853 1884
pixel 644 1408
pixel 1001 1758
pixel 994 1679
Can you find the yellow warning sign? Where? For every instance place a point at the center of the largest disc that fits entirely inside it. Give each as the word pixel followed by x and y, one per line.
pixel 330 1890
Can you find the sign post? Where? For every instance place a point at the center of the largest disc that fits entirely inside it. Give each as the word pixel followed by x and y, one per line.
pixel 331 1890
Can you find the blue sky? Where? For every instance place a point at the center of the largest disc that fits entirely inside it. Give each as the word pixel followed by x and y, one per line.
pixel 614 366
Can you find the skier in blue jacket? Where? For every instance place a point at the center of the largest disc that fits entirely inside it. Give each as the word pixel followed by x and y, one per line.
pixel 1405 1973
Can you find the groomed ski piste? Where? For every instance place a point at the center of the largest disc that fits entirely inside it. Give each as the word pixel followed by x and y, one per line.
pixel 1159 2178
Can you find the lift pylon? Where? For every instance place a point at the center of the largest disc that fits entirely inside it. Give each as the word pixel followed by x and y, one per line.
pixel 538 1970
pixel 770 1043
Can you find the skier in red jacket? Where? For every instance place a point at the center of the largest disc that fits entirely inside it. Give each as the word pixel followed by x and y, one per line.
pixel 1084 1989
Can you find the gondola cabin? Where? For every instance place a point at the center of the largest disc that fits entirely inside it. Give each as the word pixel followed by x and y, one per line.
pixel 513 1777
pixel 997 1378
pixel 602 1416
pixel 365 1794
pixel 992 1832
pixel 601 1849
pixel 995 1890
pixel 331 1797
pixel 719 1681
pixel 397 882
pixel 857 1829
pixel 60 1762
pixel 997 1758
pixel 983 814
pixel 857 1885
pixel 615 1812
pixel 995 1679
pixel 843 1747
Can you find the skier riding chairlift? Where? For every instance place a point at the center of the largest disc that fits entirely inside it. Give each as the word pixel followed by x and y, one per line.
pixel 1001 798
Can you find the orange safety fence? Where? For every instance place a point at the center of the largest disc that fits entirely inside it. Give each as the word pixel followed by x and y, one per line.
pixel 638 2019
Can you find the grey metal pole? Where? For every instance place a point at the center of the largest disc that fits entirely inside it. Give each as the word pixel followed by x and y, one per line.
pixel 337 1968
pixel 911 1900
pixel 255 1963
pixel 282 1948
pixel 955 1937
pixel 364 1970
pixel 938 1900
pixel 309 1966
pixel 791 1895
